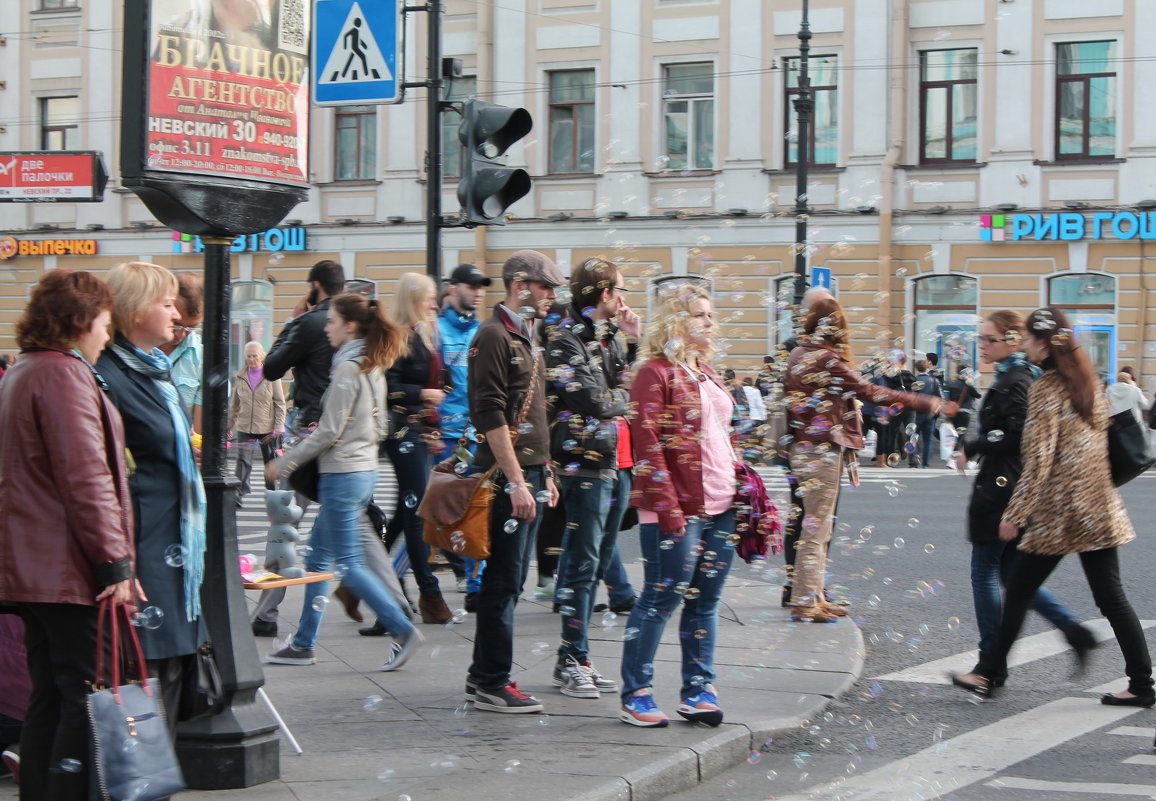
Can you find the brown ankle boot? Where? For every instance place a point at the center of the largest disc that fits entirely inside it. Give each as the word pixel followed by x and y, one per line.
pixel 349 602
pixel 433 609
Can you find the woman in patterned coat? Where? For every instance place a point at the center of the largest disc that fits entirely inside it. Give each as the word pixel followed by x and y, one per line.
pixel 1065 502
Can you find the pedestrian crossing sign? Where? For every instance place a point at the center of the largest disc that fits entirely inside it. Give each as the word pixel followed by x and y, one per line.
pixel 357 46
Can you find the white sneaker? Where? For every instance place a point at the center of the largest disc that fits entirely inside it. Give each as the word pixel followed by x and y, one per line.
pixel 544 592
pixel 402 650
pixel 577 681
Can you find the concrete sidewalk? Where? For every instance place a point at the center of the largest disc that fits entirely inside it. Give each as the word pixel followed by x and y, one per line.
pixel 409 734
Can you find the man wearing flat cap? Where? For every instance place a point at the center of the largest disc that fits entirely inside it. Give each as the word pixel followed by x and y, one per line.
pixel 506 377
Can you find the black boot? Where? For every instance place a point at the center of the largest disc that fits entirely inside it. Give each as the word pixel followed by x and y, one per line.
pixel 376 630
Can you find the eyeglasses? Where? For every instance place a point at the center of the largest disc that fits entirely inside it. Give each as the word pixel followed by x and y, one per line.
pixel 184 329
pixel 621 289
pixel 989 340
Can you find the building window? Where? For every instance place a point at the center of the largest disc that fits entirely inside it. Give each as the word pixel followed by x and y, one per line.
pixel 947 105
pixel 356 128
pixel 59 124
pixel 1089 299
pixel 572 122
pixel 460 90
pixel 1085 100
pixel 53 5
pixel 688 115
pixel 945 320
pixel 824 134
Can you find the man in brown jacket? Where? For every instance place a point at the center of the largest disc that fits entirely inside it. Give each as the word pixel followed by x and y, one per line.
pixel 507 393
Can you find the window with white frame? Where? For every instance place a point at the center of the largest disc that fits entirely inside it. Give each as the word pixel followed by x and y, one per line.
pixel 1085 100
pixel 823 138
pixel 60 123
pixel 688 116
pixel 571 122
pixel 948 105
pixel 356 143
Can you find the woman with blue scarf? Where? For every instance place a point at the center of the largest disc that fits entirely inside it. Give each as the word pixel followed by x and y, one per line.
pixel 165 484
pixel 354 421
pixel 996 447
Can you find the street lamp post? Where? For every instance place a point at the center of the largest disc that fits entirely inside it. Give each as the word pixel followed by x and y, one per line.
pixel 804 107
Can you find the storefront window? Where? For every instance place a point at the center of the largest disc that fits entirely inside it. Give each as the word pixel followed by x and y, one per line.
pixel 1090 302
pixel 946 320
pixel 251 319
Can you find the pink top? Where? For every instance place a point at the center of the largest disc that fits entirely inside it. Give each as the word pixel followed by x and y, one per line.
pixel 718 463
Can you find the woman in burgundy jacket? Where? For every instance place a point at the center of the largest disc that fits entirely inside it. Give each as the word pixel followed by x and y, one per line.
pixel 828 430
pixel 66 532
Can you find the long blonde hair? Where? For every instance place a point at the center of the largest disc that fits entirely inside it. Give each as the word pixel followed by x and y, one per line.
pixel 409 311
pixel 666 333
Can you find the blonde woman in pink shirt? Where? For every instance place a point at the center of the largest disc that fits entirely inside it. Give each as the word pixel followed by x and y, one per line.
pixel 684 488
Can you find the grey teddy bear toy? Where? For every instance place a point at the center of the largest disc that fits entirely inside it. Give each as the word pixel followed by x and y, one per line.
pixel 281 541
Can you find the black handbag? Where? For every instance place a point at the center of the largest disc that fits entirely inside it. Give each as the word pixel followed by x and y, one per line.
pixel 306 480
pixel 134 755
pixel 1128 452
pixel 203 692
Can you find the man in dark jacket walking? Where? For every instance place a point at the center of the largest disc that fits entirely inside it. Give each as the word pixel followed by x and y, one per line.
pixel 589 437
pixel 303 347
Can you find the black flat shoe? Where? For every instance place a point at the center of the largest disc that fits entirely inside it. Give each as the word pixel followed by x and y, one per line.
pixel 982 688
pixel 1136 700
pixel 376 630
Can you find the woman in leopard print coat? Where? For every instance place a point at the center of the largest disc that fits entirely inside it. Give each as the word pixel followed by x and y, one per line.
pixel 1066 503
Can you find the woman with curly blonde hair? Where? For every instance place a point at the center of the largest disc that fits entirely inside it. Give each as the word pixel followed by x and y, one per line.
pixel 684 488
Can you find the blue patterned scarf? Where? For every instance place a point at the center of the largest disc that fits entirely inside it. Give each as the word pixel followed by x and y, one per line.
pixel 156 366
pixel 1016 359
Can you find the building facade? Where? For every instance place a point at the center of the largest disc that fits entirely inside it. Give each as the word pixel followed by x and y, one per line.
pixel 967 155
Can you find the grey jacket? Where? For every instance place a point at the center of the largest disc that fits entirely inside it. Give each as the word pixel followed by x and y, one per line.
pixel 353 422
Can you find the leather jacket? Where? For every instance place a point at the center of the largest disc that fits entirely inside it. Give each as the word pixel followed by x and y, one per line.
pixel 303 348
pixel 585 368
pixel 66 525
pixel 665 429
pixel 820 388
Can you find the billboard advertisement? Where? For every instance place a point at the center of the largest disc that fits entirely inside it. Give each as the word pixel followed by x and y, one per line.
pixel 51 176
pixel 228 89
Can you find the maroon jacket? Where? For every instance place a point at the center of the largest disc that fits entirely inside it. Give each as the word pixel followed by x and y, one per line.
pixel 820 388
pixel 66 527
pixel 665 430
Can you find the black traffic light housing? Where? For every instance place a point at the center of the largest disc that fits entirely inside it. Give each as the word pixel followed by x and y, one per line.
pixel 488 187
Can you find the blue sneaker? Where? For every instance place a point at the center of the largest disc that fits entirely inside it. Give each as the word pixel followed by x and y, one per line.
pixel 640 710
pixel 702 707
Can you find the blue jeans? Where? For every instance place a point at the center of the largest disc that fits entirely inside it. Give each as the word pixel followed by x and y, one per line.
pixel 926 429
pixel 991 566
pixel 506 571
pixel 468 566
pixel 618 586
pixel 677 571
pixel 335 541
pixel 594 509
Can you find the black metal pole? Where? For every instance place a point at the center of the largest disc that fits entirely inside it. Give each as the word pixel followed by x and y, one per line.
pixel 238 746
pixel 433 187
pixel 804 106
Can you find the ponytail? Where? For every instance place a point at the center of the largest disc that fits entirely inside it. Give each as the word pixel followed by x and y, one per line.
pixel 385 340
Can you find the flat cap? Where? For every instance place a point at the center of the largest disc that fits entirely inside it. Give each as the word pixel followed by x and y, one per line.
pixel 530 265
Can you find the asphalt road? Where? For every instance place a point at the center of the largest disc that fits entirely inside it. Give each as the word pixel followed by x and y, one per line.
pixel 1045 737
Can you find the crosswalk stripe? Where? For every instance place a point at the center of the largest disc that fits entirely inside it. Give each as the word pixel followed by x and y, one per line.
pixel 1142 759
pixel 975 756
pixel 1027 649
pixel 1132 731
pixel 1098 789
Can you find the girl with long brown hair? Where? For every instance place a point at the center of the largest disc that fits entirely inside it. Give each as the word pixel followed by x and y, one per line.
pixel 827 430
pixel 345 443
pixel 1065 502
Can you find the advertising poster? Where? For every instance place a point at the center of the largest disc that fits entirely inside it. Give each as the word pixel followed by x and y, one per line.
pixel 228 89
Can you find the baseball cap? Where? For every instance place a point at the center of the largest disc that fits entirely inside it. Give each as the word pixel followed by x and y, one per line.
pixel 469 274
pixel 530 265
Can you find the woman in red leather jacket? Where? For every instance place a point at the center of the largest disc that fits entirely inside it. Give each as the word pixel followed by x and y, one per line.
pixel 66 530
pixel 828 430
pixel 684 488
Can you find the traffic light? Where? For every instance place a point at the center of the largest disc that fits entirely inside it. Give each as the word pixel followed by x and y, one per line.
pixel 488 187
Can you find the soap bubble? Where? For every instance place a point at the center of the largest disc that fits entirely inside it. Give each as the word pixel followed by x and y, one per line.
pixel 372 702
pixel 512 765
pixel 130 745
pixel 1001 481
pixel 175 555
pixel 913 522
pixel 150 617
pixel 995 435
pixel 276 258
pixel 511 526
pixel 543 720
pixel 564 593
pixel 952 623
pixel 543 496
pixel 629 634
pixel 320 602
pixel 929 548
pixel 899 543
pixel 405 447
pixel 410 500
